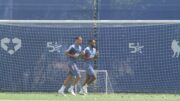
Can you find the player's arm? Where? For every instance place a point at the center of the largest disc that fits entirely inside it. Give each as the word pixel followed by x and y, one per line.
pixel 86 55
pixel 69 53
pixel 81 55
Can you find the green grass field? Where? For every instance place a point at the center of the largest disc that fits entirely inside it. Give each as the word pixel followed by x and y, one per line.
pixel 91 97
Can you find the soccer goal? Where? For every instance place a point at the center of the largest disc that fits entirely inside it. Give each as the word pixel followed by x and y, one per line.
pixel 135 55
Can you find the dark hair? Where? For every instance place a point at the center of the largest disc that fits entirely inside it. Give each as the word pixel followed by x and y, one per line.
pixel 78 37
pixel 92 40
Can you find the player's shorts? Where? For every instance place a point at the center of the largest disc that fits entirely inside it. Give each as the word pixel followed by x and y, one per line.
pixel 73 70
pixel 89 69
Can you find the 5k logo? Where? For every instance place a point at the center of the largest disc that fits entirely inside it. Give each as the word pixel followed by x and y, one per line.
pixel 54 47
pixel 11 45
pixel 136 47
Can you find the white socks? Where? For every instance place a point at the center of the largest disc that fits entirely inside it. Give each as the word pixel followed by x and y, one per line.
pixel 62 88
pixel 85 86
pixel 72 87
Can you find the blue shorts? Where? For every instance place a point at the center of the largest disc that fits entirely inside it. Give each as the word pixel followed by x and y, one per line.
pixel 89 69
pixel 73 70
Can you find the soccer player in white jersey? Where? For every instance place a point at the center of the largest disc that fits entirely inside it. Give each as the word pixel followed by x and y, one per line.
pixel 89 55
pixel 73 52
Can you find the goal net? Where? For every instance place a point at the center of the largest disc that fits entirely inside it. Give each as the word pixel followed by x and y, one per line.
pixel 135 55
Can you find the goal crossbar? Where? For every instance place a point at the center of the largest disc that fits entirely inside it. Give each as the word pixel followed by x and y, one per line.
pixel 89 21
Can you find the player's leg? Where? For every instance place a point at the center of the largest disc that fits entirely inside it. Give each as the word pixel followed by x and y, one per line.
pixel 67 80
pixel 87 79
pixel 91 73
pixel 76 78
pixel 91 77
pixel 83 90
pixel 87 73
pixel 84 86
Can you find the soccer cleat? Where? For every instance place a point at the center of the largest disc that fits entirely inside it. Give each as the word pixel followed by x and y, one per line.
pixel 61 93
pixel 81 92
pixel 85 90
pixel 71 91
